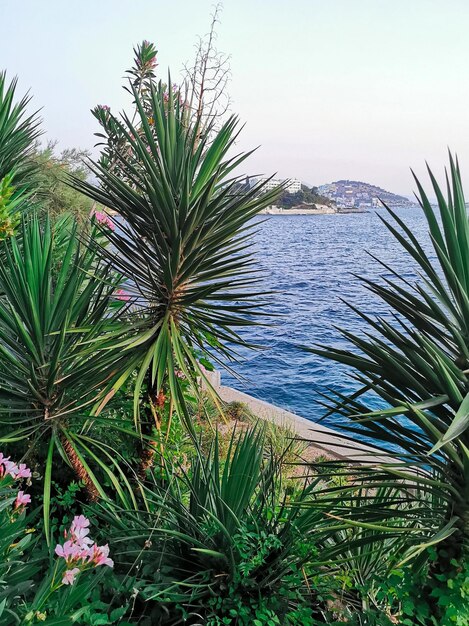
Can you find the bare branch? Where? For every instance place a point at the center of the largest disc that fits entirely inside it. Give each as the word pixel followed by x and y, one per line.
pixel 207 78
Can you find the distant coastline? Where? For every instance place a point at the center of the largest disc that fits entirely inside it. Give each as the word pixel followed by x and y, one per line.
pixel 321 209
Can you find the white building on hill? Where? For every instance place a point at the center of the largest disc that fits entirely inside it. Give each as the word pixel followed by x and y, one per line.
pixel 293 186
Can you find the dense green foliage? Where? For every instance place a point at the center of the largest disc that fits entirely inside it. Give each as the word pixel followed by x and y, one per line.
pixel 18 133
pixel 57 328
pixel 33 588
pixel 228 547
pixel 307 196
pixel 53 193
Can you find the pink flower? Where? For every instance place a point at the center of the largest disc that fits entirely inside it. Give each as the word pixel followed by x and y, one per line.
pixel 73 552
pixel 80 521
pixel 69 576
pixel 101 556
pixel 80 537
pixel 22 471
pixel 104 219
pixel 68 551
pixel 121 294
pixel 103 107
pixel 22 499
pixel 5 465
pixel 78 533
pixel 10 468
pixel 15 471
pixel 80 547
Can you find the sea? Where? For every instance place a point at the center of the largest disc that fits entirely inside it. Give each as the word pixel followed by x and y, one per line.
pixel 313 264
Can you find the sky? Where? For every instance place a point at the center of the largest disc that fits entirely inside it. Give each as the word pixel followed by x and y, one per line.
pixel 329 89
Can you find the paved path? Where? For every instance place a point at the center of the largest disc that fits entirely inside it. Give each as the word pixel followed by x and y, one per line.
pixel 326 440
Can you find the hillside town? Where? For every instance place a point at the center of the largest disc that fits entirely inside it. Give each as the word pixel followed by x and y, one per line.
pixel 348 194
pixel 342 196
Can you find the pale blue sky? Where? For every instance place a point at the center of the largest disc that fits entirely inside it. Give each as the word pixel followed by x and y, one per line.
pixel 331 89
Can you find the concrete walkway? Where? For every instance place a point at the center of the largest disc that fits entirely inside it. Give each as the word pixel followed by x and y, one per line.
pixel 324 439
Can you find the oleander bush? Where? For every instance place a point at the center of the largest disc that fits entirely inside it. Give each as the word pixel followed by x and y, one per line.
pixel 36 586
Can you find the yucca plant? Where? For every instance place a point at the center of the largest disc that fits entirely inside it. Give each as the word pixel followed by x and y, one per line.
pixel 19 131
pixel 182 243
pixel 223 539
pixel 57 330
pixel 415 361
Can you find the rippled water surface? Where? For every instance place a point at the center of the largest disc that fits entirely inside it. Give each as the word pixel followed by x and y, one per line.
pixel 310 261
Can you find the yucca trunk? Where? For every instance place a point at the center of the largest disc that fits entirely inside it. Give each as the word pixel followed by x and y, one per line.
pixel 79 469
pixel 150 417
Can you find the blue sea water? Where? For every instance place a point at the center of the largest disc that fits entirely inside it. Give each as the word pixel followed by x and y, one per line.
pixel 310 262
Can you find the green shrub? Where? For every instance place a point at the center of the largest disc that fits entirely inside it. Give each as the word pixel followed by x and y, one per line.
pixel 221 541
pixel 51 190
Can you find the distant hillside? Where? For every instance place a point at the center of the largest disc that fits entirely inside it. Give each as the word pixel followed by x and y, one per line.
pixel 352 193
pixel 305 198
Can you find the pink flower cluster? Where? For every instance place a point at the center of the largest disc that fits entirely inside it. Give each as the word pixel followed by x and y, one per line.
pixel 80 552
pixel 15 471
pixel 104 219
pixel 9 468
pixel 175 89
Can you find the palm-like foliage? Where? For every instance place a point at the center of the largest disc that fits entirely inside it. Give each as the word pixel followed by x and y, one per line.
pixel 224 530
pixel 141 76
pixel 55 357
pixel 416 361
pixel 18 132
pixel 182 244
